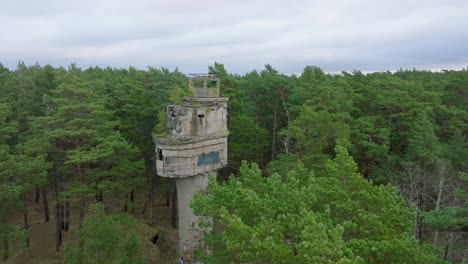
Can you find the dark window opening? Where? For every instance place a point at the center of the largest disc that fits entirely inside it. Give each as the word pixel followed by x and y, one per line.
pixel 200 118
pixel 159 154
pixel 213 84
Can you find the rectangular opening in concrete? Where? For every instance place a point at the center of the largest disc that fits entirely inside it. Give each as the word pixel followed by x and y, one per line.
pixel 201 116
pixel 159 154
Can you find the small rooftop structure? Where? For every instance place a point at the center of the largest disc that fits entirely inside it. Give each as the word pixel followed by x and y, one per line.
pixel 204 85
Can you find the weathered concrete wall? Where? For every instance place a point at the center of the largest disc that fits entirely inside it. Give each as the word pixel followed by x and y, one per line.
pixel 197 121
pixel 190 234
pixel 183 160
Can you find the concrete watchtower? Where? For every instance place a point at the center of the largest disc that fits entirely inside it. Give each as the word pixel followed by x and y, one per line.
pixel 195 147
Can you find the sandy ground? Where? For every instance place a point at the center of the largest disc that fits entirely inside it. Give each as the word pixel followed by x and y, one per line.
pixel 42 235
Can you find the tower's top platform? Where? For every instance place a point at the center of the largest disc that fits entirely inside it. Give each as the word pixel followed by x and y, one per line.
pixel 204 85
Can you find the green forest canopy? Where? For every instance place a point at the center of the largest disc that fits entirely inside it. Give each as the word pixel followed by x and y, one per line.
pixel 82 133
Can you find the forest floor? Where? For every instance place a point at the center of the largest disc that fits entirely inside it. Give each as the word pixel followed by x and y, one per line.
pixel 42 234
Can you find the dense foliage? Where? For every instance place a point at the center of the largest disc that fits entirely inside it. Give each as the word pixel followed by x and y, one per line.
pixel 84 135
pixel 105 239
pixel 334 216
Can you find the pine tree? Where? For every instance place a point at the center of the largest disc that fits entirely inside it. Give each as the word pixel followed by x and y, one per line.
pixel 90 156
pixel 105 239
pixel 334 216
pixel 10 190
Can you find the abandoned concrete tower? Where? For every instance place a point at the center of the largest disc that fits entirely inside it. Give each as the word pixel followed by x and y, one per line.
pixel 195 147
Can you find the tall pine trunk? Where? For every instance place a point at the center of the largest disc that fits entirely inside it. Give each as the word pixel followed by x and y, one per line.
pixel 58 226
pixel 419 208
pixel 79 169
pixel 38 194
pixel 151 197
pixel 442 171
pixel 54 191
pixel 132 200
pixel 67 216
pixel 448 246
pixel 46 205
pixel 5 250
pixel 81 212
pixel 26 220
pixel 125 209
pixel 58 216
pixel 287 140
pixel 275 125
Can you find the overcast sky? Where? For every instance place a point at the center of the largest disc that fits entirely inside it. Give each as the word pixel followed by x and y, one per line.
pixel 368 35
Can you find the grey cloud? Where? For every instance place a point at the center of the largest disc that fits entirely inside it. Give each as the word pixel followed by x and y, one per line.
pixel 244 35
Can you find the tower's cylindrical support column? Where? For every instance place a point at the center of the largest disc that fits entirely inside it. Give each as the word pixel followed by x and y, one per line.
pixel 190 235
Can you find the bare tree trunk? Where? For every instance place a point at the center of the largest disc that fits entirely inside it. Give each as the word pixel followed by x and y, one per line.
pixel 441 184
pixel 96 195
pixel 440 188
pixel 5 250
pixel 446 250
pixel 81 212
pixel 62 205
pixel 150 171
pixel 287 140
pixel 448 246
pixel 420 208
pixel 275 124
pixel 257 122
pixel 25 217
pixel 79 169
pixel 54 191
pixel 38 194
pixel 174 205
pixel 151 197
pixel 132 199
pixel 67 216
pixel 125 209
pixel 58 225
pixel 46 205
pixel 436 237
pixel 81 221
